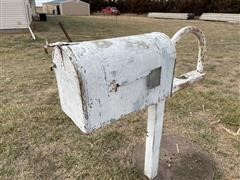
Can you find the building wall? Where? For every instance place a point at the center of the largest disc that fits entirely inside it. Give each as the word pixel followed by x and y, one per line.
pixel 28 11
pixel 48 8
pixel 72 8
pixel 33 7
pixel 15 14
pixel 39 9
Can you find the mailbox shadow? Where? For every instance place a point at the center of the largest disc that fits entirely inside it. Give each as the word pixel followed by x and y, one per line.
pixel 180 159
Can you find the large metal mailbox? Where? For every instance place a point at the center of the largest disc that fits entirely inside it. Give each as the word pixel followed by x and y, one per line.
pixel 100 81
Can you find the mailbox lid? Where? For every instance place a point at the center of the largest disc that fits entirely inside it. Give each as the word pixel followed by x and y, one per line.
pixel 113 76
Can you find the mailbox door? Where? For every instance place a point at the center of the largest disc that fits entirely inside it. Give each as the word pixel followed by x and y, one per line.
pixel 69 88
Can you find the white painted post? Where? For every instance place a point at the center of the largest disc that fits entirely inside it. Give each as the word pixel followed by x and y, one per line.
pixel 153 139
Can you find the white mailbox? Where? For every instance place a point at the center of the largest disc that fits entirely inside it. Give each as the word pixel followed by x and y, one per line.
pixel 101 81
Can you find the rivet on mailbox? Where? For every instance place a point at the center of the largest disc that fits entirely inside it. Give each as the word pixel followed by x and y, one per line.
pixel 100 81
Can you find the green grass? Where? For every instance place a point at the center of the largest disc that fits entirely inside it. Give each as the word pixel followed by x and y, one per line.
pixel 38 141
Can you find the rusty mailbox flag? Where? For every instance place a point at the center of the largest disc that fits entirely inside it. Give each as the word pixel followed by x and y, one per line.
pixel 101 81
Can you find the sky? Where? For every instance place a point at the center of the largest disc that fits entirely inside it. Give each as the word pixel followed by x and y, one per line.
pixel 39 2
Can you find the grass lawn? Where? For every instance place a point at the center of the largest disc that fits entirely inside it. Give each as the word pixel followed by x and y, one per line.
pixel 38 141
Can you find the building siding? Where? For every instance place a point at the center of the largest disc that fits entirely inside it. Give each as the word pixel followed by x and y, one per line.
pixel 33 7
pixel 15 14
pixel 75 8
pixel 68 8
pixel 39 10
pixel 48 8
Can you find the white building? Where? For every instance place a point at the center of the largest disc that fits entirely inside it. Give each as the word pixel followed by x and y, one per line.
pixel 16 14
pixel 67 8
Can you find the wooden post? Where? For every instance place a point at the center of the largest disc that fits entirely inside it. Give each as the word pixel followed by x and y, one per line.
pixel 65 32
pixel 153 139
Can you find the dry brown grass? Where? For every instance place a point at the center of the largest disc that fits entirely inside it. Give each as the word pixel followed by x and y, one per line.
pixel 38 141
